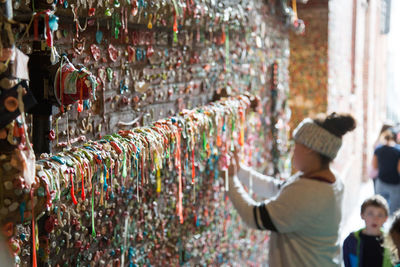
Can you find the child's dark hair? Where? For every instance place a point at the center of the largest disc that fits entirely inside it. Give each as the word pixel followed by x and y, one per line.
pixel 395 228
pixel 375 201
pixel 337 124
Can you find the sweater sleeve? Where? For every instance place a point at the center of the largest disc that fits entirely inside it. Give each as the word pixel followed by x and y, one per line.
pixel 348 248
pixel 262 185
pixel 254 214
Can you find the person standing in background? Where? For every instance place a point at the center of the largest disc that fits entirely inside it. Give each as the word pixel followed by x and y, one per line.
pixel 373 172
pixel 386 161
pixel 394 234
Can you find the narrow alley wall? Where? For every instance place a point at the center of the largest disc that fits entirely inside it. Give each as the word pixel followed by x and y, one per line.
pixel 340 67
pixel 357 68
pixel 309 63
pixel 345 73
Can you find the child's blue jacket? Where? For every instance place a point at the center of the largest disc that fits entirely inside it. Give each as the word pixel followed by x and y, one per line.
pixel 352 251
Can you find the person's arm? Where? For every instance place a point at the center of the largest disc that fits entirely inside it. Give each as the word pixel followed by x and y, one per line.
pixel 346 253
pixel 398 166
pixel 254 214
pixel 375 162
pixel 262 185
pixel 350 257
pixel 373 169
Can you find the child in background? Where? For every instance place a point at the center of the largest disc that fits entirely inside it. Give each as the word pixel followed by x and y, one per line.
pixel 365 247
pixel 395 235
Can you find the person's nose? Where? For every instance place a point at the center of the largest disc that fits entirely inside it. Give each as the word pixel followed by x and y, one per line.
pixel 376 218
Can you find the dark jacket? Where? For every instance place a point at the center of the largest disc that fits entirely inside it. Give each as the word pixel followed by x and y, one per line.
pixel 352 251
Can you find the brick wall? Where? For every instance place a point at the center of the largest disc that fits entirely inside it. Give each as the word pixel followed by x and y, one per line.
pixel 345 89
pixel 309 63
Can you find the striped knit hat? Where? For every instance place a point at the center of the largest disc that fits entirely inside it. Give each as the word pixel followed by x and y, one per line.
pixel 317 138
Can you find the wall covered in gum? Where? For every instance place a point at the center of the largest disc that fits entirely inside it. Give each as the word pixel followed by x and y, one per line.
pixel 140 128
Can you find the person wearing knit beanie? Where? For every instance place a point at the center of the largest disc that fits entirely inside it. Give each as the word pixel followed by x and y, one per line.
pixel 303 213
